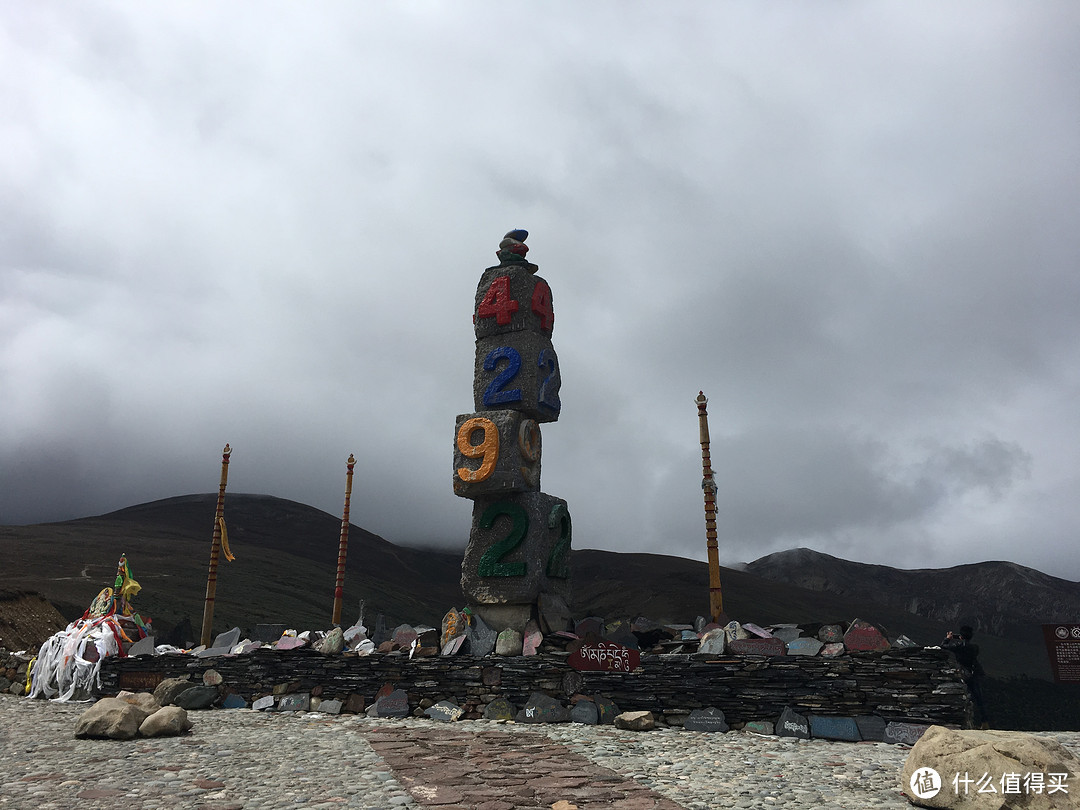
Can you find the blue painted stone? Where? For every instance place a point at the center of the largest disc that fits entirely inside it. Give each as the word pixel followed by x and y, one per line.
pixel 834 728
pixel 804 646
pixel 519 233
pixel 234 702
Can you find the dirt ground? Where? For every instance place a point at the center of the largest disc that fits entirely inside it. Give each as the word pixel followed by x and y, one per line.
pixel 26 620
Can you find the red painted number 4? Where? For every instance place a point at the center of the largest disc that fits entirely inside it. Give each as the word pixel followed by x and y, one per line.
pixel 497 303
pixel 541 305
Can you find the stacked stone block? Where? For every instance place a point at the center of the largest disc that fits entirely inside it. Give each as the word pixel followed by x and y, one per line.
pixel 519 543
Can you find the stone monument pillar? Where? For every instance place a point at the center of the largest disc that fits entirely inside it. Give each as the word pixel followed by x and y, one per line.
pixel 519 545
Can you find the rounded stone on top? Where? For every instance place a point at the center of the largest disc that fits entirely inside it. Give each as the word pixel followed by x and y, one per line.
pixel 518 234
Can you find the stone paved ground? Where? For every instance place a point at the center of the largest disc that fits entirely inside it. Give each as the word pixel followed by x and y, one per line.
pixel 245 760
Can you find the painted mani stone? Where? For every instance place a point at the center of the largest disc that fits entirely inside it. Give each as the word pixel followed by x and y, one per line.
pixel 519 547
pixel 496 452
pixel 519 372
pixel 512 299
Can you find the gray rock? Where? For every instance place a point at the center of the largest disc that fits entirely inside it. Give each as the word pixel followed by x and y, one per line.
pixel 830 634
pixel 144 700
pixel 233 701
pixel 268 633
pixel 786 633
pixel 585 712
pixel 395 704
pixel 227 640
pixel 500 709
pixel 165 692
pixel 871 727
pixel 264 703
pixel 171 721
pixel 332 706
pixel 144 646
pixel 481 638
pixel 554 613
pixel 211 677
pixel 197 697
pixel 521 286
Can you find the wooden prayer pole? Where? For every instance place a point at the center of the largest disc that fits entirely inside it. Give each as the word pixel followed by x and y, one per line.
pixel 708 486
pixel 343 543
pixel 215 547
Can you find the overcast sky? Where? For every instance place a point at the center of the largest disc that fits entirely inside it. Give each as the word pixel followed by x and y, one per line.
pixel 853 225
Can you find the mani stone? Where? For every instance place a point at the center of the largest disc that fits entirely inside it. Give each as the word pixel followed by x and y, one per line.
pixel 585 712
pixel 354 704
pixel 521 286
pixel 804 646
pixel 290 643
pixel 481 638
pixel 754 630
pixel 500 709
pixel 975 753
pixel 734 630
pixel 299 702
pixel 830 634
pixel 211 677
pixel 760 727
pixel 228 639
pixel 264 703
pixel 607 709
pixel 445 711
pixel 710 719
pixel 832 649
pixel 533 389
pixel 543 709
pixel 197 697
pixel 904 733
pixel 864 637
pixel 532 639
pixel 509 643
pixel 758 646
pixel 712 643
pixel 554 613
pixel 395 704
pixel 636 721
pixel 871 727
pixel 792 724
pixel 333 643
pixel 453 646
pixel 786 633
pixel 834 728
pixel 517 550
pixel 404 635
pixel 515 451
pixel 144 646
pixel 268 633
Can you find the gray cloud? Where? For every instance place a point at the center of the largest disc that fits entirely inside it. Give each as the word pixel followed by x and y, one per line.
pixel 851 226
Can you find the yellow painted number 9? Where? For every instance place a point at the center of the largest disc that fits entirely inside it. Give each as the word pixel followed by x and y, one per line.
pixel 487 450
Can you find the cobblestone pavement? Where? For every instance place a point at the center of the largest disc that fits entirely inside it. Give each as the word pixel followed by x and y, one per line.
pixel 245 760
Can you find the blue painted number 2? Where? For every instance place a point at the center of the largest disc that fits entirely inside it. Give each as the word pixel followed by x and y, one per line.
pixel 494 393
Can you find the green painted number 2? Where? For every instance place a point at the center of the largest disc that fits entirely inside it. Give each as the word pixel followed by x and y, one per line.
pixel 491 564
pixel 558 563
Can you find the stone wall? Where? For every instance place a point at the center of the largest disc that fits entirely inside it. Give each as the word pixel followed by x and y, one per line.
pixel 912 685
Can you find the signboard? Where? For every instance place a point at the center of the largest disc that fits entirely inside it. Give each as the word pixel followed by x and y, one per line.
pixel 605 656
pixel 138 681
pixel 1063 647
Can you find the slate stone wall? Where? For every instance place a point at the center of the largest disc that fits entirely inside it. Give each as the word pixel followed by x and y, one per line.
pixel 913 685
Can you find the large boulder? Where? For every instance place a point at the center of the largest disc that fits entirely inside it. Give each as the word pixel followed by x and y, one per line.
pixel 957 769
pixel 110 718
pixel 171 721
pixel 166 691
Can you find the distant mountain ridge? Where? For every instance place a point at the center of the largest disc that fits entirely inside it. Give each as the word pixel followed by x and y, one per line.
pixel 286 559
pixel 996 598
